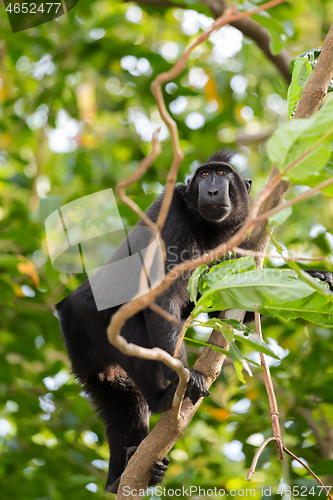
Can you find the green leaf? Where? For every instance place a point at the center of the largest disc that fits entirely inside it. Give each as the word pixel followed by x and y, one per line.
pixel 257 365
pixel 315 308
pixel 239 362
pixel 194 280
pixel 312 57
pixel 247 336
pixel 224 269
pixel 240 332
pixel 317 178
pixel 311 136
pixel 301 71
pixel 236 355
pixel 249 290
pixel 273 292
pixel 201 343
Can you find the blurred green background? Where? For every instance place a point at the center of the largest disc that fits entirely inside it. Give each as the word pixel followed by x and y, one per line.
pixel 76 116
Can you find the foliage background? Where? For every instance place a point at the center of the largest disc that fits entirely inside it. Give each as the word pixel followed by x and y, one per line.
pixel 76 116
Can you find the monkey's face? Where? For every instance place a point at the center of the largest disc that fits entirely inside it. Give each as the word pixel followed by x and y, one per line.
pixel 220 191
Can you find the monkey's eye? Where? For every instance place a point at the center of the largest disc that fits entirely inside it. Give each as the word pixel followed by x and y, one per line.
pixel 221 173
pixel 204 174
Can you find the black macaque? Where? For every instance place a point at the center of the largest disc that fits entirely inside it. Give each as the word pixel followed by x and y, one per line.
pixel 203 214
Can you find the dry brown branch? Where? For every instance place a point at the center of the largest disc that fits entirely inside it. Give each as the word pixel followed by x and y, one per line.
pixel 274 414
pixel 306 467
pixel 303 196
pixel 156 308
pixel 172 423
pixel 310 471
pixel 169 428
pixel 140 303
pixel 257 456
pixel 181 336
pixel 139 172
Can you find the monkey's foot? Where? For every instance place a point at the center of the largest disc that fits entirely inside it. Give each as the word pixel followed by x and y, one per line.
pixel 157 471
pixel 196 387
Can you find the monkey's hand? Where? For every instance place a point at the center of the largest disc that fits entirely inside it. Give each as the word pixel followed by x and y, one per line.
pixel 196 387
pixel 323 276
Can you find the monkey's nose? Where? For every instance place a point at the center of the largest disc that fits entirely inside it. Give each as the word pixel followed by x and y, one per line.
pixel 213 191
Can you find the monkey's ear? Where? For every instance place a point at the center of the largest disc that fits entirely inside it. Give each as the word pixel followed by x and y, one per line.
pixel 248 183
pixel 188 180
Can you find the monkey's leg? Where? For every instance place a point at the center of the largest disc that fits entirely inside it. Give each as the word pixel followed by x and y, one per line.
pixel 125 415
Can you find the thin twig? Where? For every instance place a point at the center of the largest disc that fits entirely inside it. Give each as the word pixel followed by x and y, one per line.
pixel 140 303
pixel 297 161
pixel 139 172
pixel 270 393
pixel 309 471
pixel 158 310
pixel 181 336
pixel 289 203
pixel 256 457
pixel 306 467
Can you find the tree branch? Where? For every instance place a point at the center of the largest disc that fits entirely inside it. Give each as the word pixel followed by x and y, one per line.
pixel 315 90
pixel 306 467
pixel 169 428
pixel 310 471
pixel 270 393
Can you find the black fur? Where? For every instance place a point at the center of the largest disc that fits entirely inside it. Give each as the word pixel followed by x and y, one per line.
pixel 125 389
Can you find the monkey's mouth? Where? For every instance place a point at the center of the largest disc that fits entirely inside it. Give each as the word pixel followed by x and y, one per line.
pixel 213 207
pixel 216 212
